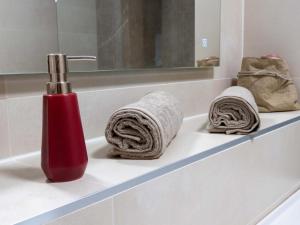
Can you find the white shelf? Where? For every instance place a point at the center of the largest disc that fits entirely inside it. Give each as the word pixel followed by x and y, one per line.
pixel 25 194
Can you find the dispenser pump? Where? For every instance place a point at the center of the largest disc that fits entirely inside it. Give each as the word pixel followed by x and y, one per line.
pixel 58 70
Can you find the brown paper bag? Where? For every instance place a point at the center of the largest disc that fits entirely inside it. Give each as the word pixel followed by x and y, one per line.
pixel 271 84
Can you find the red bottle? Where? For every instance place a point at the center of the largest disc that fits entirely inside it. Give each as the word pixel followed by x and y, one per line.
pixel 64 155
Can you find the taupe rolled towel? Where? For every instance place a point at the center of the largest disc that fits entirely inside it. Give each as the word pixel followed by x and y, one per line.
pixel 210 61
pixel 144 129
pixel 234 112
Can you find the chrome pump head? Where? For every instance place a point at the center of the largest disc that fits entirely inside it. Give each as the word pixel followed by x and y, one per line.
pixel 58 69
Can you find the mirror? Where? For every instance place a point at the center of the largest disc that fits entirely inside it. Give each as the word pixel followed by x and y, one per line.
pixel 138 34
pixel 28 32
pixel 121 34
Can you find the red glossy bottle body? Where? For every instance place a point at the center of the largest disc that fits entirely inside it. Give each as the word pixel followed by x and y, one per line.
pixel 64 155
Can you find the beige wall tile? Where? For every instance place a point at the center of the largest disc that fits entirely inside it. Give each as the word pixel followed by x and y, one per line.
pixel 99 213
pixel 25 114
pixel 25 124
pixel 273 30
pixel 25 85
pixel 33 85
pixel 4 134
pixel 239 186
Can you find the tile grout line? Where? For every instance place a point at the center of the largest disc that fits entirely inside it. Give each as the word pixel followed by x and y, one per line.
pixel 8 125
pixel 8 129
pixel 113 211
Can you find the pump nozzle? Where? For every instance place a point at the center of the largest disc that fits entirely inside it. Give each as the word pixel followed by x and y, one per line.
pixel 58 70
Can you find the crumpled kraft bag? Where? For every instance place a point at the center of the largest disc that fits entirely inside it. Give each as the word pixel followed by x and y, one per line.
pixel 271 84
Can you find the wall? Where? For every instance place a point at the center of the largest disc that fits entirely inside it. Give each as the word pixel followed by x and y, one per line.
pixel 272 26
pixel 20 96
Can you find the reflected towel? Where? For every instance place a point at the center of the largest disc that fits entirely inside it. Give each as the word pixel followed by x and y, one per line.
pixel 210 61
pixel 144 129
pixel 234 112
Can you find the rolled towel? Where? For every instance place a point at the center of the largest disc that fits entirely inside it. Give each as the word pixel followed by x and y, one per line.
pixel 144 129
pixel 234 112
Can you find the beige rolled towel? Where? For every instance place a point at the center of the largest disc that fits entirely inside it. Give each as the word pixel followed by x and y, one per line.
pixel 234 112
pixel 144 129
pixel 210 61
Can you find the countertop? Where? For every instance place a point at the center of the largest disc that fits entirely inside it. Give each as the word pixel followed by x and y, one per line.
pixel 26 194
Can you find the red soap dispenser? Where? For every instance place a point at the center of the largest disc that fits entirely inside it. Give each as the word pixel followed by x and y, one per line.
pixel 64 155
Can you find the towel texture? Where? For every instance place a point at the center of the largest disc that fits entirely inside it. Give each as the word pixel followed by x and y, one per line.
pixel 210 61
pixel 270 82
pixel 234 112
pixel 144 129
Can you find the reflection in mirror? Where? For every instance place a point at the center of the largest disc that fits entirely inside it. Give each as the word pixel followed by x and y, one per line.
pixel 122 34
pixel 28 32
pixel 137 34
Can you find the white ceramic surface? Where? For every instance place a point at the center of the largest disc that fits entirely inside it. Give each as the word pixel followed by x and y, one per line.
pixel 286 214
pixel 24 192
pixel 97 214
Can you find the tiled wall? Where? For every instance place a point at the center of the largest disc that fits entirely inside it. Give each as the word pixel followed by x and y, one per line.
pixel 23 123
pixel 100 94
pixel 273 29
